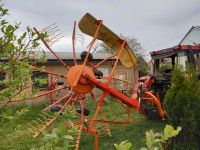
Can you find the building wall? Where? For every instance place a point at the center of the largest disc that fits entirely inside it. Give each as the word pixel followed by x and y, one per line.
pixel 121 73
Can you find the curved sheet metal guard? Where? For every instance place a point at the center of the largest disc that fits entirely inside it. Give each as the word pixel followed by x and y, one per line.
pixel 88 25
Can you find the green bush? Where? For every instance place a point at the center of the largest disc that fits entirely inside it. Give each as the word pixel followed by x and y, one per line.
pixel 154 141
pixel 143 71
pixel 182 104
pixel 165 68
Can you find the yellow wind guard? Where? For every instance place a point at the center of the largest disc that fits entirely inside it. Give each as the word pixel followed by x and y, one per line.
pixel 88 25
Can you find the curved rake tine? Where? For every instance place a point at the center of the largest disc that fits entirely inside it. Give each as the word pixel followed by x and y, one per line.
pixel 50 34
pixel 79 36
pixel 48 26
pixel 40 120
pixel 52 28
pixel 53 32
pixel 39 125
pixel 92 43
pixel 33 127
pixel 55 36
pixel 79 41
pixel 95 49
pixel 31 130
pixel 96 43
pixel 82 42
pixel 95 46
pixel 47 124
pixel 89 44
pixel 45 115
pixel 56 40
pixel 75 99
pixel 81 126
pixel 48 47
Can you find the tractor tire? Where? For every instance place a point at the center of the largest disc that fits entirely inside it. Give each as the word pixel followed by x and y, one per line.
pixel 152 114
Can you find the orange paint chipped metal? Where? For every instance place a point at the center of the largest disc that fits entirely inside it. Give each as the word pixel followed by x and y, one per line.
pixel 82 86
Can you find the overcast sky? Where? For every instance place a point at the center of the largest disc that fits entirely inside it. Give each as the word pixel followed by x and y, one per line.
pixel 156 24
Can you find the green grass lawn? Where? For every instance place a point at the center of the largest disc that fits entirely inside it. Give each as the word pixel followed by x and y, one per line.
pixel 14 134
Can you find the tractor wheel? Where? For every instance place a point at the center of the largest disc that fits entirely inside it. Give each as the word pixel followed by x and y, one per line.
pixel 151 112
pixel 151 106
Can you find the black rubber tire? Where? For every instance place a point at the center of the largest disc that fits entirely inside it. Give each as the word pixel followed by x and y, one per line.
pixel 98 73
pixel 84 54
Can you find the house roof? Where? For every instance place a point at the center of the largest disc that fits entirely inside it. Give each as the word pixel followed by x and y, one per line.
pixel 157 54
pixel 172 51
pixel 69 55
pixel 187 34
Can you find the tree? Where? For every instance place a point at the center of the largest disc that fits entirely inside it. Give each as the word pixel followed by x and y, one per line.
pixel 137 50
pixel 135 46
pixel 182 104
pixel 132 42
pixel 15 53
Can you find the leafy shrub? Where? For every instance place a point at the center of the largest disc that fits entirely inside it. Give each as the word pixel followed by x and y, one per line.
pixel 182 104
pixel 143 71
pixel 154 141
pixel 165 68
pixel 60 139
pixel 16 49
pixel 124 145
pixel 8 114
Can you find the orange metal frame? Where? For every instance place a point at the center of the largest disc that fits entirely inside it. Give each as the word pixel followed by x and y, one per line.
pixel 83 77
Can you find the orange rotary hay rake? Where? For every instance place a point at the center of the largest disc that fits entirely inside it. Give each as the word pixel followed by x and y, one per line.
pixel 83 78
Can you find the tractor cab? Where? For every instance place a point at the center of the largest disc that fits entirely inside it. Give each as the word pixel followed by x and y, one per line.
pixel 183 55
pixel 163 62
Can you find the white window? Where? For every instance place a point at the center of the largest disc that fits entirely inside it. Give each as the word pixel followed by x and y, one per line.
pixel 197 59
pixel 183 60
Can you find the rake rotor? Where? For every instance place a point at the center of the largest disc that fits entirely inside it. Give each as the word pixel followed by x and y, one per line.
pixel 82 79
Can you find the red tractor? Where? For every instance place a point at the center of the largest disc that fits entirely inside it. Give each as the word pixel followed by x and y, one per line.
pixel 163 62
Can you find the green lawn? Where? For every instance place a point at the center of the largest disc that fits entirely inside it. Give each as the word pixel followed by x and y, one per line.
pixel 14 134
